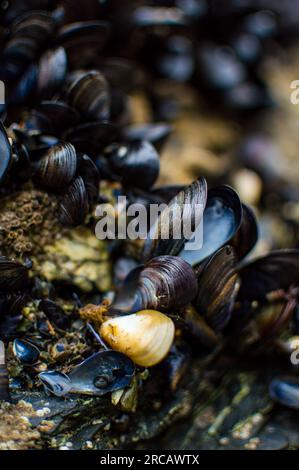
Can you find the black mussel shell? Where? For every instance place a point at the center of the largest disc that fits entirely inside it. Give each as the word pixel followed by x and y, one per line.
pixel 58 167
pixel 60 115
pixel 176 364
pixel 52 71
pixel 247 235
pixel 13 274
pixel 91 137
pixel 55 382
pixel 197 331
pixel 54 313
pixel 220 68
pixel 165 283
pixel 278 270
pixel 74 205
pixel 218 288
pixel 248 96
pixel 120 73
pixel 90 175
pixel 89 95
pixel 25 352
pixel 11 314
pixel 176 59
pixel 102 373
pixel 184 210
pixel 25 86
pixel 83 41
pixel 155 133
pixel 262 24
pixel 126 296
pixel 167 192
pixel 221 220
pixel 285 390
pixel 136 164
pixel 247 47
pixel 5 152
pixel 38 122
pixel 146 16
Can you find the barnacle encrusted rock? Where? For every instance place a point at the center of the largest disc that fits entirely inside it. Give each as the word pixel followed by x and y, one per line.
pixel 16 432
pixel 28 222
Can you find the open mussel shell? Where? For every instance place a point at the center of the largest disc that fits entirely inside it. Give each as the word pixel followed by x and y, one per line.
pixel 278 270
pixel 89 95
pixel 136 164
pixel 285 390
pixel 246 237
pixel 165 283
pixel 26 352
pixel 218 288
pixel 6 153
pixel 55 382
pixel 185 210
pixel 13 274
pixel 58 167
pixel 74 204
pixel 221 221
pixel 146 336
pixel 101 373
pixel 126 296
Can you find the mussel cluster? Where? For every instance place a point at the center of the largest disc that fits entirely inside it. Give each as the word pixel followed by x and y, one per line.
pixel 70 141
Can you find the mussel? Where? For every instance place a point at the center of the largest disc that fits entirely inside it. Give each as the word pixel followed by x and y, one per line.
pixel 185 210
pixel 136 164
pixel 221 220
pixel 26 352
pixel 101 373
pixel 165 283
pixel 74 204
pixel 6 153
pixel 89 95
pixel 155 133
pixel 285 390
pixel 277 270
pixel 90 176
pixel 58 167
pixel 218 288
pixel 55 382
pixel 13 274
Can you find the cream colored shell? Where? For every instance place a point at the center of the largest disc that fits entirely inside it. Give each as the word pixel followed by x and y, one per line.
pixel 146 336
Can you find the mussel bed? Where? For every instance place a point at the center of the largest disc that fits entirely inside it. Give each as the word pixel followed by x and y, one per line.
pixel 146 343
